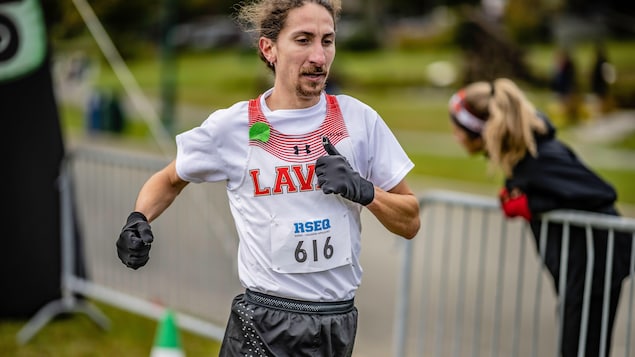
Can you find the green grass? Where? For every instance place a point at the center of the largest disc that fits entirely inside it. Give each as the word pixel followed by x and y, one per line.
pixel 76 335
pixel 627 143
pixel 456 168
pixel 622 180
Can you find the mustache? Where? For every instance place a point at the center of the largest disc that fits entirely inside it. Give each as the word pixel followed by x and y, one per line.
pixel 315 71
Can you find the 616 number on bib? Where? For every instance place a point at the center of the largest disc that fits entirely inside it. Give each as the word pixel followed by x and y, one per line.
pixel 301 254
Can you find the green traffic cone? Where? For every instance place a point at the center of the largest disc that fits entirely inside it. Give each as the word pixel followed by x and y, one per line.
pixel 167 342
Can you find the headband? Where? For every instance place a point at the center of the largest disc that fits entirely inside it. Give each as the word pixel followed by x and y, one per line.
pixel 462 116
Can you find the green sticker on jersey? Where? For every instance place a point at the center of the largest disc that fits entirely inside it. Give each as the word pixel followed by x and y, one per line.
pixel 23 39
pixel 259 131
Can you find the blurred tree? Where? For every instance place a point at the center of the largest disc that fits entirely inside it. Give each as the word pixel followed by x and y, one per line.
pixel 528 20
pixel 127 22
pixel 367 32
pixel 191 9
pixel 488 50
pixel 409 8
pixel 118 16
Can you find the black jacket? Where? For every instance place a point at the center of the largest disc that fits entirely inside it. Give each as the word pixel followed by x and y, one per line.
pixel 557 179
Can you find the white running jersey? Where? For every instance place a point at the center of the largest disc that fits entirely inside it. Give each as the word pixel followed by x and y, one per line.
pixel 295 241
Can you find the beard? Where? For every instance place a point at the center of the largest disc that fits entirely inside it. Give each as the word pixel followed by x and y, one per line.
pixel 312 90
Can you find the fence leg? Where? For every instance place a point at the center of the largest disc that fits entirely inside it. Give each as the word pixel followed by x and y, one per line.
pixel 403 302
pixel 59 307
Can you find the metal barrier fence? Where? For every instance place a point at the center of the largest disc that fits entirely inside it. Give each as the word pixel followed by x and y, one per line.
pixel 472 283
pixel 99 187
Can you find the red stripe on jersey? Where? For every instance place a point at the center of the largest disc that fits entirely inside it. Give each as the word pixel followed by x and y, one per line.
pixel 305 147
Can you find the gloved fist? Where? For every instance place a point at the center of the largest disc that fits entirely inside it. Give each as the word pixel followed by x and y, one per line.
pixel 335 175
pixel 133 245
pixel 514 204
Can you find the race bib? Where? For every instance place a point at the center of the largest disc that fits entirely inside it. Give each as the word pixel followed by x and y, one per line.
pixel 307 246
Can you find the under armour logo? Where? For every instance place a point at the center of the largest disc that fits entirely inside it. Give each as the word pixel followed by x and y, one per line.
pixel 307 149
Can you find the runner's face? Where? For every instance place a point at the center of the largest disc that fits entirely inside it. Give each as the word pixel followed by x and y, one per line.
pixel 304 51
pixel 470 144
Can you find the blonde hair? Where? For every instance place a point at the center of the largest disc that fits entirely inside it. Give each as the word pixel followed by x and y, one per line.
pixel 510 121
pixel 266 18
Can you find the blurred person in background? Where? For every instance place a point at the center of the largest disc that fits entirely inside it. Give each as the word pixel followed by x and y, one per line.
pixel 564 84
pixel 543 174
pixel 299 166
pixel 602 76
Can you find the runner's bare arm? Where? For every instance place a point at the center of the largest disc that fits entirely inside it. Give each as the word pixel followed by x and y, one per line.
pixel 159 192
pixel 397 210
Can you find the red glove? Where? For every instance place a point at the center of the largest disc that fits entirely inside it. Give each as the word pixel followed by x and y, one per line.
pixel 515 204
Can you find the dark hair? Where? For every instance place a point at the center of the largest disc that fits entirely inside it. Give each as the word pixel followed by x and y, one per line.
pixel 266 18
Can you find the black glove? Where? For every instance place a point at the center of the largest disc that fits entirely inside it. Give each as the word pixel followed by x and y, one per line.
pixel 133 245
pixel 335 175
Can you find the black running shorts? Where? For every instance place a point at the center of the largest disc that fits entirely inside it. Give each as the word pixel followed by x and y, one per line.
pixel 265 325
